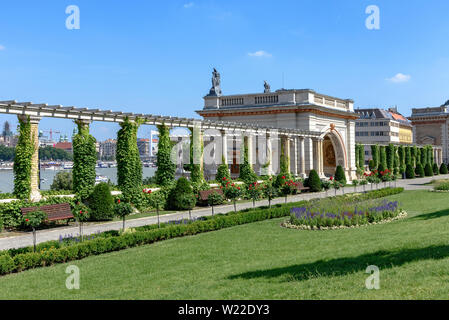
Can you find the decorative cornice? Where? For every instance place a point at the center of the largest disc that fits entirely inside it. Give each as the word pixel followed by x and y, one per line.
pixel 230 113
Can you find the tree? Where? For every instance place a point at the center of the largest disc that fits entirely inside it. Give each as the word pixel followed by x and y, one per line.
pixel 247 173
pixel 314 182
pixel 409 172
pixel 375 155
pixel 6 153
pixel 255 192
pixel 428 171
pixel 165 173
pixel 101 203
pixel 63 180
pixel 181 197
pixel 34 219
pixel 122 210
pixel 419 170
pixel 435 169
pixel 214 199
pixel 443 169
pixel 222 172
pixel 340 175
pixel 390 156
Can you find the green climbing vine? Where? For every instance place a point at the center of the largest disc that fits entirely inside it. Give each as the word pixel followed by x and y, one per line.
pixel 84 161
pixel 284 160
pixel 247 173
pixel 196 169
pixel 129 165
pixel 22 161
pixel 165 173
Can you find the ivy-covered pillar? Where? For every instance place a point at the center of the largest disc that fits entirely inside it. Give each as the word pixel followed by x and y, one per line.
pixel 285 155
pixel 196 154
pixel 26 162
pixel 84 160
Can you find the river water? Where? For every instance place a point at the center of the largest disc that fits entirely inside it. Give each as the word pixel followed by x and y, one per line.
pixel 7 177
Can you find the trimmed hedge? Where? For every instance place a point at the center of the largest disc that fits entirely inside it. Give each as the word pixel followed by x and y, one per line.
pixel 443 169
pixel 150 234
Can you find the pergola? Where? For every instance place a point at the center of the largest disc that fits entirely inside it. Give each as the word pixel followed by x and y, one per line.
pixel 34 112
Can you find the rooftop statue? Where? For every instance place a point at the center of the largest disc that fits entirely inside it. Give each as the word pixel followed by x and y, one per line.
pixel 267 88
pixel 215 90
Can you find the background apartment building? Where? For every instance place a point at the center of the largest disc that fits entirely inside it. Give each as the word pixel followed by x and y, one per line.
pixel 382 127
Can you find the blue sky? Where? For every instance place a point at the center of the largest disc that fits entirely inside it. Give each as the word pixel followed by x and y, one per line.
pixel 157 56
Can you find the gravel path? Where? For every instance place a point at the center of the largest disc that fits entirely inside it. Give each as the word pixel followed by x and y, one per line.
pixel 54 234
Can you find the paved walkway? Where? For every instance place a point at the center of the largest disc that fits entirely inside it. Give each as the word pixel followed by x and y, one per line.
pixel 54 234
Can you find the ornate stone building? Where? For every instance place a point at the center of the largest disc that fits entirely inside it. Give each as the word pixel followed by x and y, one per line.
pixel 430 126
pixel 333 118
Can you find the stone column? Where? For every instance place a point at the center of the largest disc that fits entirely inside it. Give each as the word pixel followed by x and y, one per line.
pixel 295 156
pixel 302 158
pixel 34 132
pixel 309 155
pixel 269 168
pixel 321 159
pixel 249 146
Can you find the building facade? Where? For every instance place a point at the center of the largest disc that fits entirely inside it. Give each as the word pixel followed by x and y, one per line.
pixel 430 126
pixel 382 127
pixel 107 149
pixel 333 118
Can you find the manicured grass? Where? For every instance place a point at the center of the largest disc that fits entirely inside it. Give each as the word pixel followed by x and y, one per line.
pixel 264 261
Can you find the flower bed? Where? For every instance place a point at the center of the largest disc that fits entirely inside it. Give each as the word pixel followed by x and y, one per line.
pixel 68 249
pixel 338 213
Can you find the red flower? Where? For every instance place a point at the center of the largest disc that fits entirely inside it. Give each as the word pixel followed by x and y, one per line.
pixel 331 178
pixel 81 212
pixel 149 191
pixel 27 220
pixel 283 177
pixel 224 178
pixel 238 188
pixel 118 201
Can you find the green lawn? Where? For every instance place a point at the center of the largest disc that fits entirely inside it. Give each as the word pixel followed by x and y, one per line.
pixel 264 261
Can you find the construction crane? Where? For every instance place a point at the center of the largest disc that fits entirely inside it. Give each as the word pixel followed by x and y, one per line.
pixel 51 133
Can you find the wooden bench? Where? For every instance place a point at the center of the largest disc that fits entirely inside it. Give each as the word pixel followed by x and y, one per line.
pixel 60 211
pixel 300 187
pixel 204 194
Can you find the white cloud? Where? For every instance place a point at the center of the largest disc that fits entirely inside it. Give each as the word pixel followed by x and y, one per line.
pixel 400 77
pixel 189 5
pixel 2 47
pixel 260 53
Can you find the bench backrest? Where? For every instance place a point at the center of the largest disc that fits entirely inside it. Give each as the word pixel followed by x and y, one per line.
pixel 204 195
pixel 300 186
pixel 59 211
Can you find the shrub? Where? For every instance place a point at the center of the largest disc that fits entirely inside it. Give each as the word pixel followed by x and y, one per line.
pixel 22 259
pixel 254 191
pixel 372 165
pixel 428 170
pixel 181 197
pixel 436 171
pixel 340 175
pixel 443 169
pixel 419 170
pixel 314 181
pixel 101 203
pixel 122 210
pixel 63 180
pixel 222 172
pixel 444 186
pixel 409 172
